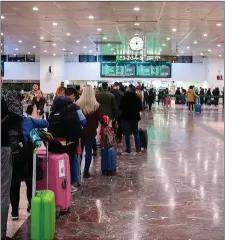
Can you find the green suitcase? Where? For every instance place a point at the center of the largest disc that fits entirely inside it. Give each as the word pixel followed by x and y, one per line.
pixel 43 212
pixel 43 215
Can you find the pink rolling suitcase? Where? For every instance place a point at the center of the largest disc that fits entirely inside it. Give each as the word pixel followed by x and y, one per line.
pixel 59 179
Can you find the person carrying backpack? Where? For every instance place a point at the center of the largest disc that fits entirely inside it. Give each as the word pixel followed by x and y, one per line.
pixel 66 122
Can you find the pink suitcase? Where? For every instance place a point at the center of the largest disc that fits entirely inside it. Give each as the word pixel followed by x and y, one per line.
pixel 59 179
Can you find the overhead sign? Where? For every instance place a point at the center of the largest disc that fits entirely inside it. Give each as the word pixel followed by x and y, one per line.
pixel 153 69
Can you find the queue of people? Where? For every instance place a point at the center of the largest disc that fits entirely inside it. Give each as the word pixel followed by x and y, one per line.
pixel 121 105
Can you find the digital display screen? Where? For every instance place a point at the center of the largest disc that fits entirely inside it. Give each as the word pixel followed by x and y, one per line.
pixel 154 69
pixel 109 69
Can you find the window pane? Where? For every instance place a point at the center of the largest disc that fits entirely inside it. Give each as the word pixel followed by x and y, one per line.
pixel 30 58
pixel 87 58
pixel 12 58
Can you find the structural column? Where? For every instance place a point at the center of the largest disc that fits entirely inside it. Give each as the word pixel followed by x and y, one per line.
pixel 51 72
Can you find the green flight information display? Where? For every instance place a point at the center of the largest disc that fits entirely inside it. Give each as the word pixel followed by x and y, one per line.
pixel 118 69
pixel 154 69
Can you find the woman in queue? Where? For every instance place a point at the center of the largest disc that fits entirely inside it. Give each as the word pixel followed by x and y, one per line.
pixel 92 112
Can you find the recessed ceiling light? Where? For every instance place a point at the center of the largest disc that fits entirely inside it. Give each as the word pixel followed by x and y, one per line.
pixel 20 41
pixel 90 51
pixel 77 41
pixel 54 44
pixel 137 24
pixel 219 55
pixel 34 46
pixel 99 29
pixel 178 55
pixel 54 54
pixel 2 17
pixel 54 23
pixel 136 34
pixel 168 39
pixel 64 49
pixel 71 53
pixel 35 8
pixel 14 54
pixel 174 29
pixel 91 17
pixel 164 45
pixel 28 53
pixel 85 46
pixel 195 42
pixel 209 50
pixel 2 34
pixel 112 49
pixel 219 24
pixel 182 52
pixel 104 38
pixel 219 45
pixel 45 51
pixel 136 9
pixel 205 34
pixel 201 54
pixel 114 53
pixel 16 49
pixel 68 34
pixel 1 44
pixel 42 38
pixel 188 47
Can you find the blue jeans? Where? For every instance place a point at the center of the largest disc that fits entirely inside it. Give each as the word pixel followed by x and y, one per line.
pixel 87 143
pixel 136 138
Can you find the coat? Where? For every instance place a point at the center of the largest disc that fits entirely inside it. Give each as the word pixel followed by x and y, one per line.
pixel 191 95
pixel 107 103
pixel 131 106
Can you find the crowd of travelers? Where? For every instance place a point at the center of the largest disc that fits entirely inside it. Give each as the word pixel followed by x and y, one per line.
pixel 87 108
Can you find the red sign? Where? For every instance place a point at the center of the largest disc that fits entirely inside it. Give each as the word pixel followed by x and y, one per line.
pixel 219 77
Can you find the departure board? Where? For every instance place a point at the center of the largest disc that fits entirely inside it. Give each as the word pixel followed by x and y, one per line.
pixel 153 69
pixel 109 69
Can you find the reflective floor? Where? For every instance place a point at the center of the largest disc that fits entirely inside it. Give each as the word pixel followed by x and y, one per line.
pixel 172 192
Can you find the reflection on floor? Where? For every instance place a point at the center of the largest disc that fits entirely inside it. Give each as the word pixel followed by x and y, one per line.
pixel 172 192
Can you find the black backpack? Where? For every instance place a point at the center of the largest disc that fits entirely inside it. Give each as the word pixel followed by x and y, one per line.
pixel 65 124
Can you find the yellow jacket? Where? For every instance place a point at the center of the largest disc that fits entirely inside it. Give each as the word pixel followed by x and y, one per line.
pixel 191 95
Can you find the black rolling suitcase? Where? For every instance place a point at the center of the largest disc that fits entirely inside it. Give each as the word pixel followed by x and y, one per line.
pixel 143 138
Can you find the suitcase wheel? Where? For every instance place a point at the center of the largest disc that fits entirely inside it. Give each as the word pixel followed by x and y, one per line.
pixel 58 211
pixel 69 209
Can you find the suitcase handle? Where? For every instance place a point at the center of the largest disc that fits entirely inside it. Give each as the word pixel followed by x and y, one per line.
pixel 35 168
pixel 64 183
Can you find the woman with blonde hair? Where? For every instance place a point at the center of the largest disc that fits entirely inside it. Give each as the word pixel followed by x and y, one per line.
pixel 92 111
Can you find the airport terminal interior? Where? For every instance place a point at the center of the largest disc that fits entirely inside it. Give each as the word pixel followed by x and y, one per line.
pixel 174 188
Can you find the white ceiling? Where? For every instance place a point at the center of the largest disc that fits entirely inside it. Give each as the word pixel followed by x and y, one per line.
pixel 117 21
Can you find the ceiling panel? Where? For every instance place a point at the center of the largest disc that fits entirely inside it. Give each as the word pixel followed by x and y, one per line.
pixel 117 20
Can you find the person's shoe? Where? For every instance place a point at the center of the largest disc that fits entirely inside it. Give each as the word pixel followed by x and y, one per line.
pixel 73 189
pixel 15 216
pixel 94 153
pixel 86 174
pixel 138 150
pixel 28 208
pixel 128 151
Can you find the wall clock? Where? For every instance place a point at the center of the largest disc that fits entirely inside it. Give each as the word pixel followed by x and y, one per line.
pixel 136 43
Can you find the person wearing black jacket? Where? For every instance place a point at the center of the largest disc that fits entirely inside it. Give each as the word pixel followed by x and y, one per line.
pixel 11 116
pixel 216 93
pixel 151 98
pixel 131 107
pixel 201 94
pixel 117 123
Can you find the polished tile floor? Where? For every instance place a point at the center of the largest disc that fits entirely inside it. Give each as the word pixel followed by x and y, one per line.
pixel 172 192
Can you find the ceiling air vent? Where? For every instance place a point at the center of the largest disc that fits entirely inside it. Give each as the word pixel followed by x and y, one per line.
pixel 48 41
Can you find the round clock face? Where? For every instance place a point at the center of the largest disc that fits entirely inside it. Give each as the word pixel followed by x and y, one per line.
pixel 136 44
